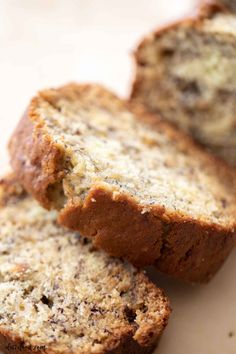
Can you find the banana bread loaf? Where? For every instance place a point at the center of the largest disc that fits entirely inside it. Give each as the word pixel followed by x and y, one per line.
pixel 134 185
pixel 59 294
pixel 186 72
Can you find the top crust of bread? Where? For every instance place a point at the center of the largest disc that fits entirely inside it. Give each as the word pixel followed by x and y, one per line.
pixel 185 72
pixel 60 295
pixel 167 231
pixel 223 5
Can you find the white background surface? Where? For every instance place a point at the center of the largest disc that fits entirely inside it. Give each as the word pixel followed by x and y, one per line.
pixel 49 42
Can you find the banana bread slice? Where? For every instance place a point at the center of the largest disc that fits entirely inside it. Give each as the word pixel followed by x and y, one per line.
pixel 140 189
pixel 59 294
pixel 186 72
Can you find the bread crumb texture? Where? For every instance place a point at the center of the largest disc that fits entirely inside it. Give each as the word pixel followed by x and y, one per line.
pixel 106 143
pixel 58 291
pixel 186 72
pixel 136 186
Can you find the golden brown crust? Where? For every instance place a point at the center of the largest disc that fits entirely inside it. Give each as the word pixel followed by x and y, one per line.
pixel 212 6
pixel 207 8
pixel 46 165
pixel 189 249
pixel 181 248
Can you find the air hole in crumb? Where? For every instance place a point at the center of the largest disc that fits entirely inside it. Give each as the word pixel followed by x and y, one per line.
pixel 96 309
pixel 28 290
pixel 142 63
pixel 224 203
pixel 96 341
pixel 55 193
pixel 5 253
pixel 167 52
pixel 46 301
pixel 130 314
pixel 143 308
pixel 122 293
pixel 36 307
pixel 189 87
pixel 84 241
pixel 150 334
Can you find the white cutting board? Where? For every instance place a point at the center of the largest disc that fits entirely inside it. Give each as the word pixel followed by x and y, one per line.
pixel 49 42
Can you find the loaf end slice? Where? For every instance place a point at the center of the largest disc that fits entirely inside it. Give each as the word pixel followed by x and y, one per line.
pixel 138 188
pixel 186 72
pixel 59 294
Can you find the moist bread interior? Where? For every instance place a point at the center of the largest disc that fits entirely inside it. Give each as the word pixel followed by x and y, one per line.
pixel 57 290
pixel 187 74
pixel 107 144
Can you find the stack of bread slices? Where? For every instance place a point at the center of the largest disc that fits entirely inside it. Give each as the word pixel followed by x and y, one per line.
pixel 102 187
